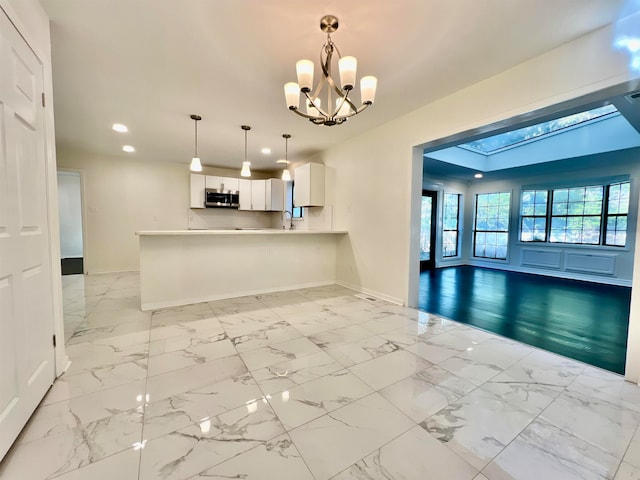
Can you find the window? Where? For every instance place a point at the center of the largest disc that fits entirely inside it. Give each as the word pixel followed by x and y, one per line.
pixel 533 213
pixel 503 141
pixel 577 215
pixel 617 211
pixel 491 231
pixel 296 212
pixel 450 216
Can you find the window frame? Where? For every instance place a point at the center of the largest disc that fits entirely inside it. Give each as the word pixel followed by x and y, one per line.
pixel 603 216
pixel 534 217
pixel 606 215
pixel 476 231
pixel 456 230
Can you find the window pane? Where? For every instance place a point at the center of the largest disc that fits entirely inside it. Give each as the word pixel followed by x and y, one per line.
pixel 560 208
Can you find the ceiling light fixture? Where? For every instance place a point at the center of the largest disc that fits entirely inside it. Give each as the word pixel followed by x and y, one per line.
pixel 246 165
pixel 120 128
pixel 338 111
pixel 266 151
pixel 478 175
pixel 286 174
pixel 128 149
pixel 196 166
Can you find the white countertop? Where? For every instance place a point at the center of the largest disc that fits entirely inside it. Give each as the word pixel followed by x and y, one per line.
pixel 266 231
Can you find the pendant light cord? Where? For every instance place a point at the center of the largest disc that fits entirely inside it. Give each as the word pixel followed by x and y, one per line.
pixel 196 127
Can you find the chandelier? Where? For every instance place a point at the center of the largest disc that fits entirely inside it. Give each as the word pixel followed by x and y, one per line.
pixel 339 106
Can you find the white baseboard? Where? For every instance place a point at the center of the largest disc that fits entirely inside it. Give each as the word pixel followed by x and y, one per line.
pixel 618 282
pixel 372 293
pixel 106 272
pixel 211 298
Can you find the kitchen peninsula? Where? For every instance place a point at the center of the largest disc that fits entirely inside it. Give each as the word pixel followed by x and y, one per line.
pixel 180 267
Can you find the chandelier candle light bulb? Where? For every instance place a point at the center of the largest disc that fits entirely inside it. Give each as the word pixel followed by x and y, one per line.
pixel 304 69
pixel 347 66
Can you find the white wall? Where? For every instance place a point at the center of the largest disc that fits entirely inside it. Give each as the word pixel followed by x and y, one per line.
pixel 377 181
pixel 70 214
pixel 125 195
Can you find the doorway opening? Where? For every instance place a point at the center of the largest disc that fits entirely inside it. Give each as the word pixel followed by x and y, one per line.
pixel 520 241
pixel 428 224
pixel 71 225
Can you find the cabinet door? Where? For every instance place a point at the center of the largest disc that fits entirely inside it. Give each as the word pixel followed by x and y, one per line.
pixel 275 195
pixel 258 195
pixel 309 185
pixel 230 183
pixel 197 191
pixel 212 182
pixel 244 188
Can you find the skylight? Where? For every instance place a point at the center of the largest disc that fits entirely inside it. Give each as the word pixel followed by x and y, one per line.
pixel 503 141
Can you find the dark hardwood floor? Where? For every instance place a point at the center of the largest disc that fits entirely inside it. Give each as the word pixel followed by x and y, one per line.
pixel 581 320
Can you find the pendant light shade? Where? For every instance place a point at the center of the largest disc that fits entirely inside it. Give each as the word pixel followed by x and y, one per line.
pixel 286 175
pixel 196 166
pixel 246 165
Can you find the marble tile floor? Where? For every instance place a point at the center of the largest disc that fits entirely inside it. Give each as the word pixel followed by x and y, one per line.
pixel 314 384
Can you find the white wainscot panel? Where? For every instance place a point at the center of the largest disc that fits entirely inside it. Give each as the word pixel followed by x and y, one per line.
pixel 541 258
pixel 599 264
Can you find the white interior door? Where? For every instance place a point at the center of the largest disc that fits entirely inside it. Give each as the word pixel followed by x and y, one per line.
pixel 26 307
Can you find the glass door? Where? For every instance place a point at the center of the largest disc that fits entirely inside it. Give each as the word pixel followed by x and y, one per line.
pixel 428 230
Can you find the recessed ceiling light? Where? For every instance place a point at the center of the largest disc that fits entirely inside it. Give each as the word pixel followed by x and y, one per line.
pixel 128 149
pixel 119 127
pixel 266 151
pixel 477 175
pixel 282 160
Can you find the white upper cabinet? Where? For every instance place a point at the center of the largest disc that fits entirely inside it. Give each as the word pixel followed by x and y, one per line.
pixel 212 182
pixel 197 190
pixel 258 194
pixel 244 188
pixel 229 183
pixel 308 188
pixel 275 195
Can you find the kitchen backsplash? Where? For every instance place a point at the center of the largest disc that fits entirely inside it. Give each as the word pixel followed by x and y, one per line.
pixel 214 218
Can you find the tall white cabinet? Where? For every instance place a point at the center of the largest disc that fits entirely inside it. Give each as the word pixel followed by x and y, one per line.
pixel 197 190
pixel 308 190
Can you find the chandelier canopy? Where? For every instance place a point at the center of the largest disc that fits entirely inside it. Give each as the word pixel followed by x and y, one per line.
pixel 338 107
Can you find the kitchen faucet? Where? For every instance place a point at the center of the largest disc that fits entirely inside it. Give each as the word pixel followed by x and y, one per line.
pixel 284 218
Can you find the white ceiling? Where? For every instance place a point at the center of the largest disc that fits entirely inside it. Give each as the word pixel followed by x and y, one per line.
pixel 152 63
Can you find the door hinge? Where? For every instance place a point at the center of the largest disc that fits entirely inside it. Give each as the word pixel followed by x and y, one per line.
pixel 54 340
pixel 43 103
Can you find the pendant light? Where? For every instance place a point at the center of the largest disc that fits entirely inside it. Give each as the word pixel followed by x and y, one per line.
pixel 246 165
pixel 286 174
pixel 196 166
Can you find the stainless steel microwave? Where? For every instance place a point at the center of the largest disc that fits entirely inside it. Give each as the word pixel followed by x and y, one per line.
pixel 214 198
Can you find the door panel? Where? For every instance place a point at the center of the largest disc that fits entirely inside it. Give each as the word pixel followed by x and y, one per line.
pixel 26 306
